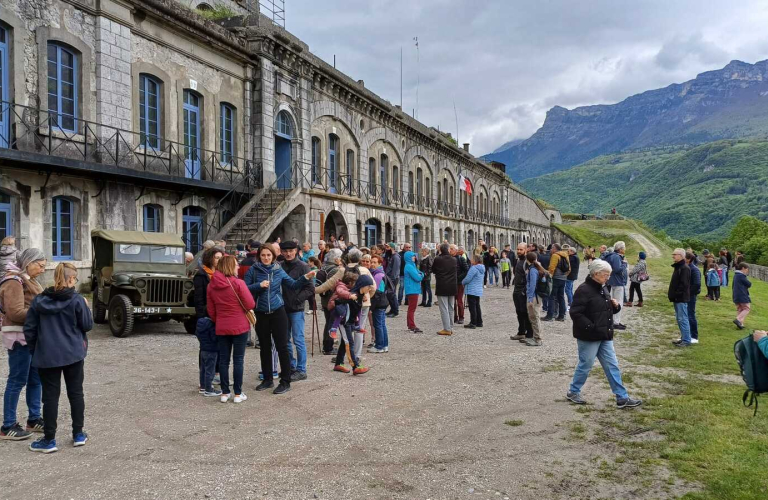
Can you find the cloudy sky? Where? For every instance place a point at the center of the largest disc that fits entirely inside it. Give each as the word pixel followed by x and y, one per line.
pixel 506 62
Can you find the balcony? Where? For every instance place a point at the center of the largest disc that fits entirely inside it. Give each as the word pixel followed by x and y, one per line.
pixel 36 139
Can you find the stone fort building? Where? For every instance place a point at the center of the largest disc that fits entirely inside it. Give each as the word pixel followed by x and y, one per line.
pixel 146 115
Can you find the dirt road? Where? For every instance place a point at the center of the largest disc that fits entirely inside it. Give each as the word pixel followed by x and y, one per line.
pixel 651 249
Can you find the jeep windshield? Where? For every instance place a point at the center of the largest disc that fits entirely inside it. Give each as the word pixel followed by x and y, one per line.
pixel 148 253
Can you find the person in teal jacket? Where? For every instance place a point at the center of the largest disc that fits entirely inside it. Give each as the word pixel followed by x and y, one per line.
pixel 761 338
pixel 473 286
pixel 412 277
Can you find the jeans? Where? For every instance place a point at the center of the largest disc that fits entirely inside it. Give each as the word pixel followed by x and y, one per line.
pixel 692 321
pixel 208 361
pixel 426 290
pixel 380 325
pixel 569 291
pixel 475 314
pixel 232 346
pixel 394 306
pixel 201 369
pixel 296 337
pixel 681 314
pixel 524 318
pixel 493 275
pixel 347 338
pixel 506 278
pixel 401 290
pixel 269 328
pixel 458 310
pixel 557 299
pixel 446 303
pixel 51 382
pixel 21 373
pixel 413 301
pixel 603 351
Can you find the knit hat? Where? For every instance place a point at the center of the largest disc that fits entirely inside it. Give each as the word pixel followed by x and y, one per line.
pixel 642 255
pixel 393 245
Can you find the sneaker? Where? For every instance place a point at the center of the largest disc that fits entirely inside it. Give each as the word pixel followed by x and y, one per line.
pixel 547 318
pixel 386 349
pixel 371 344
pixel 391 315
pixel 266 384
pixel 359 370
pixel 375 350
pixel 296 376
pixel 282 388
pixel 417 330
pixel 43 445
pixel 627 304
pixel 470 326
pixel 212 394
pixel 14 433
pixel 459 321
pixel 560 319
pixel 249 343
pixel 517 337
pixel 332 352
pixel 525 339
pixel 575 398
pixel 446 333
pixel 639 304
pixel 738 324
pixel 309 313
pixel 200 390
pixel 239 398
pixel 216 380
pixel 341 368
pixel 35 425
pixel 681 344
pixel 627 402
pixel 533 342
pixel 80 439
pixel 225 398
pixel 694 341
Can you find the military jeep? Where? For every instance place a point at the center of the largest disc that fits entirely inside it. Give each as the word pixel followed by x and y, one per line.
pixel 139 276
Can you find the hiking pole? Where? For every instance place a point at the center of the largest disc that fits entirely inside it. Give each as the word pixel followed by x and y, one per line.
pixel 317 327
pixel 314 313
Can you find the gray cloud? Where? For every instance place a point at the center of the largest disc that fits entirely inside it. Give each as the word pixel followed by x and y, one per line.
pixel 505 63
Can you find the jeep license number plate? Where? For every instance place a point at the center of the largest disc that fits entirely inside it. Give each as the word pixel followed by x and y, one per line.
pixel 146 310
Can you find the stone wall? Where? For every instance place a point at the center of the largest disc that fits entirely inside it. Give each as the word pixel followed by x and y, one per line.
pixel 560 237
pixel 758 272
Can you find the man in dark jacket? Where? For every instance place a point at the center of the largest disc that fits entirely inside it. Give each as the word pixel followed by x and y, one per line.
pixel 462 268
pixel 573 259
pixel 524 328
pixel 444 268
pixel 680 294
pixel 425 266
pixel 294 306
pixel 592 314
pixel 691 259
pixel 618 279
pixel 393 270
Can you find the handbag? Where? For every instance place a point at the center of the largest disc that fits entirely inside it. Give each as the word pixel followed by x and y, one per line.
pixel 643 276
pixel 248 312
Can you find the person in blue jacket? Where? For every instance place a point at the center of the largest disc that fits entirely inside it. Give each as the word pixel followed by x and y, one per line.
pixel 264 279
pixel 532 280
pixel 209 356
pixel 412 284
pixel 761 339
pixel 618 279
pixel 55 331
pixel 473 287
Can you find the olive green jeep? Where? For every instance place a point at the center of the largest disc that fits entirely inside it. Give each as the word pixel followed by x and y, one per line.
pixel 139 276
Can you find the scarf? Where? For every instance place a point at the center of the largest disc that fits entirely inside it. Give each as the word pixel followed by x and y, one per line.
pixel 208 271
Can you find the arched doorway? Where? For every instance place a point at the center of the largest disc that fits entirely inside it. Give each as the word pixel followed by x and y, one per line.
pixel 417 236
pixel 193 228
pixel 471 239
pixel 388 233
pixel 448 234
pixel 372 232
pixel 292 227
pixel 488 239
pixel 335 225
pixel 283 138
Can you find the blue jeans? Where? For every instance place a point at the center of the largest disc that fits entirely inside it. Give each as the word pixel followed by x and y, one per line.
pixel 380 325
pixel 493 272
pixel 681 314
pixel 569 291
pixel 208 362
pixel 232 346
pixel 603 351
pixel 21 373
pixel 557 299
pixel 296 337
pixel 693 323
pixel 401 290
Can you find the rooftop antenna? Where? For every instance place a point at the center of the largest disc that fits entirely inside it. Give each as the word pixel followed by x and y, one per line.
pixel 416 114
pixel 401 77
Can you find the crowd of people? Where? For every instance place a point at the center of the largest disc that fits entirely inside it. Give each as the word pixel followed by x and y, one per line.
pixel 268 289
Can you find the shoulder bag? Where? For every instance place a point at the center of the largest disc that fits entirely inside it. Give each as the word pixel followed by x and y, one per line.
pixel 248 312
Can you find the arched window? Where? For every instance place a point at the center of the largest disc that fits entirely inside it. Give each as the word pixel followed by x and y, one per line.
pixel 149 111
pixel 372 176
pixel 395 180
pixel 428 190
pixel 410 187
pixel 383 175
pixel 350 169
pixel 62 87
pixel 451 198
pixel 419 182
pixel 152 218
pixel 227 133
pixel 315 159
pixel 283 125
pixel 333 162
pixel 62 228
pixel 192 228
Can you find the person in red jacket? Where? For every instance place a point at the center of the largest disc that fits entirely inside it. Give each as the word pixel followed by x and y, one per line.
pixel 228 301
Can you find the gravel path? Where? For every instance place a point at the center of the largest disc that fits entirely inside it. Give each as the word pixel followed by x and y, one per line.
pixel 428 421
pixel 650 249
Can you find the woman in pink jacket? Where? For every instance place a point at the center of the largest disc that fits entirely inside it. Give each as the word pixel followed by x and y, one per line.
pixel 228 300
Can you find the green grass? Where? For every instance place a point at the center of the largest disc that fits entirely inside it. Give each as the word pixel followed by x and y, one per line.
pixel 514 423
pixel 596 233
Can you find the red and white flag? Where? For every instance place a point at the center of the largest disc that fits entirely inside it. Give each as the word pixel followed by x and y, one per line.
pixel 465 185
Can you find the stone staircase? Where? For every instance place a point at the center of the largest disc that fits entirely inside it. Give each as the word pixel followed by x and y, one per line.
pixel 258 219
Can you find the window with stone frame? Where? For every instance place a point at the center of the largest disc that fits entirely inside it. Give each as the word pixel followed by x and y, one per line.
pixel 315 174
pixel 63 228
pixel 63 74
pixel 227 121
pixel 372 176
pixel 153 218
pixel 150 92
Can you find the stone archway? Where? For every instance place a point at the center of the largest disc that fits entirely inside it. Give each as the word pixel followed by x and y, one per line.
pixel 335 225
pixel 294 226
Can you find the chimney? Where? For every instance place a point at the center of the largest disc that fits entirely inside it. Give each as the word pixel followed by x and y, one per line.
pixel 466 147
pixel 361 82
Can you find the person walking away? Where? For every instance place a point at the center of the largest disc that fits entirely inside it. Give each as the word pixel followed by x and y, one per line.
pixel 741 286
pixel 519 292
pixel 691 260
pixel 544 258
pixel 636 276
pixel 505 265
pixel 425 266
pixel 295 300
pixel 394 263
pixel 264 280
pixel 559 268
pixel 713 282
pixel 56 329
pixel 462 268
pixel 228 302
pixel 412 286
pixel 534 270
pixel 473 283
pixel 575 263
pixel 18 289
pixel 617 280
pixel 592 313
pixel 679 294
pixel 444 267
pixel 202 279
pixel 379 304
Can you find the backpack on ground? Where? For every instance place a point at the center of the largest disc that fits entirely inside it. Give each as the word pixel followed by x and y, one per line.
pixel 754 369
pixel 544 285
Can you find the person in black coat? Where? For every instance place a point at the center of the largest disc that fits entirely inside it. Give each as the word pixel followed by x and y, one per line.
pixel 462 268
pixel 446 286
pixel 592 314
pixel 679 294
pixel 294 300
pixel 573 260
pixel 425 266
pixel 519 282
pixel 695 290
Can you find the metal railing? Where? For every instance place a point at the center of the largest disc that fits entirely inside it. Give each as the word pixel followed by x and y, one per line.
pixel 35 130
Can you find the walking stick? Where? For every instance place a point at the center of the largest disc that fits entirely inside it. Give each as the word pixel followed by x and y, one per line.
pixel 314 314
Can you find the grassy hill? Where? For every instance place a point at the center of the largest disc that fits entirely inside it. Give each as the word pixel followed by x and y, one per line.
pixel 701 191
pixel 604 232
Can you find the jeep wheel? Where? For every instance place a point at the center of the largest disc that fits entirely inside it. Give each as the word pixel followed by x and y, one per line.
pixel 120 316
pixel 190 325
pixel 99 310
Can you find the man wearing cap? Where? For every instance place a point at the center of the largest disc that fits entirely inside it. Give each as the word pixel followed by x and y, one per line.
pixel 393 273
pixel 294 306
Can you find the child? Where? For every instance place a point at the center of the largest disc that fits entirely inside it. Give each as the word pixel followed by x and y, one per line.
pixel 473 287
pixel 338 304
pixel 360 286
pixel 741 298
pixel 8 253
pixel 506 269
pixel 209 350
pixel 713 282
